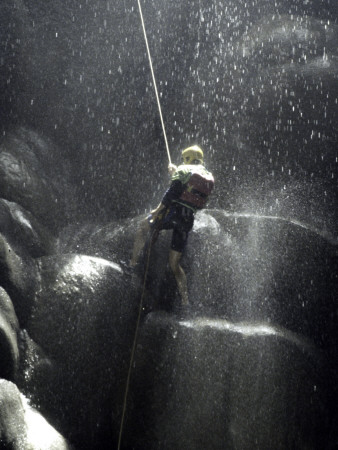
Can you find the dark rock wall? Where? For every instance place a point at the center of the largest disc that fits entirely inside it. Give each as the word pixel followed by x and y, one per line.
pixel 82 151
pixel 258 352
pixel 237 400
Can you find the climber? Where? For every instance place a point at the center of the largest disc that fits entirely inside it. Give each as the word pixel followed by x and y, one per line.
pixel 190 187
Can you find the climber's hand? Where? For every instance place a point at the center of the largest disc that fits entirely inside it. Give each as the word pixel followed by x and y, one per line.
pixel 172 169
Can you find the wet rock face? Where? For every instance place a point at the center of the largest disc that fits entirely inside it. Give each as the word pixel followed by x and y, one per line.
pixel 83 318
pixel 261 268
pixel 210 371
pixel 81 150
pixel 24 232
pixel 80 299
pixel 13 432
pixel 19 276
pixel 28 176
pixel 9 328
pixel 22 427
pixel 248 397
pixel 261 290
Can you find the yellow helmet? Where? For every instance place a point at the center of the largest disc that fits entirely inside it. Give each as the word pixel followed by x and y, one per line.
pixel 193 155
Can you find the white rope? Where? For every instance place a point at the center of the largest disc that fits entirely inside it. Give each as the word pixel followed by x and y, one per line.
pixel 132 356
pixel 154 81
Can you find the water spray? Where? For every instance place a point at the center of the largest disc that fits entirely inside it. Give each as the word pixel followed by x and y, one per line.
pixel 154 81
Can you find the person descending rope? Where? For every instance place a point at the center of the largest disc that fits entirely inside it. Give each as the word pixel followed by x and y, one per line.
pixel 190 187
pixel 191 184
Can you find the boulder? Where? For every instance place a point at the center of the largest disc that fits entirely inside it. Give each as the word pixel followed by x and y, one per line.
pixel 22 427
pixel 13 430
pixel 261 286
pixel 23 185
pixel 112 240
pixel 83 319
pixel 25 234
pixel 28 176
pixel 9 328
pixel 37 376
pixel 203 383
pixel 241 267
pixel 19 277
pixel 260 268
pixel 261 78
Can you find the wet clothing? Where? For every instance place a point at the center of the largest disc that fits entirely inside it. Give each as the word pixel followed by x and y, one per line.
pixel 188 192
pixel 179 219
pixel 190 186
pixel 173 193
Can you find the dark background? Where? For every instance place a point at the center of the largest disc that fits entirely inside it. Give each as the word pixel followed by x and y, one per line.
pixel 253 82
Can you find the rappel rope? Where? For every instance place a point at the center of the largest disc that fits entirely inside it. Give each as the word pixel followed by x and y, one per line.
pixel 154 82
pixel 124 408
pixel 132 356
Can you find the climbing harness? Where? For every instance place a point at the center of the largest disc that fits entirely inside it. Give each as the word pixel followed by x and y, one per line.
pixel 156 225
pixel 152 239
pixel 154 81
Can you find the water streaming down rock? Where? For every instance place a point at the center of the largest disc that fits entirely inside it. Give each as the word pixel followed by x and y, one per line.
pixel 237 399
pixel 234 351
pixel 82 155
